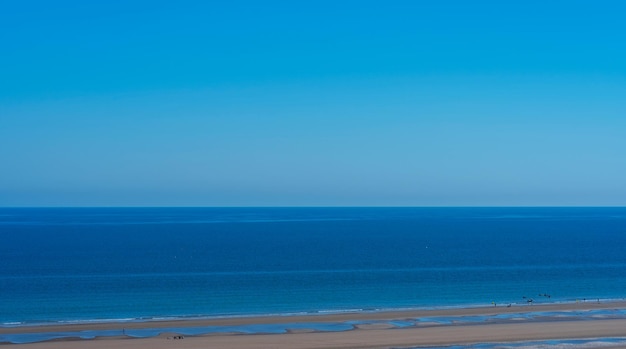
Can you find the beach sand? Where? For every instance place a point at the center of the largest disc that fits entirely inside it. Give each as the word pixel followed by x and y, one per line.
pixel 371 336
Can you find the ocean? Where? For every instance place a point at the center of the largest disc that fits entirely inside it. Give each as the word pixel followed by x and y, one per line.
pixel 110 264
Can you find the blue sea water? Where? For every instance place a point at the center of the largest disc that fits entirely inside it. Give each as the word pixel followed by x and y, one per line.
pixel 86 264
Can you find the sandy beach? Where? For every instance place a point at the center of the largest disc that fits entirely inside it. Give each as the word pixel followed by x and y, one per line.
pixel 366 336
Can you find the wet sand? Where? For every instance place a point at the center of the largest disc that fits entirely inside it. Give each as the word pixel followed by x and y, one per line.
pixel 368 336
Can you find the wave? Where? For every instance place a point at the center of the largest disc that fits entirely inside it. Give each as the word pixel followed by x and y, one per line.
pixel 326 271
pixel 11 324
pixel 524 307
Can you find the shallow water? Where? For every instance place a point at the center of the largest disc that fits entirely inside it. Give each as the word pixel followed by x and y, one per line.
pixel 336 327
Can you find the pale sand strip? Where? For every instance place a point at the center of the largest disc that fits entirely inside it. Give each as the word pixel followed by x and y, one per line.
pixel 445 335
pixel 359 338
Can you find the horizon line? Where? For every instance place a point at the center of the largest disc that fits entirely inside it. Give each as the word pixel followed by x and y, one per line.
pixel 316 206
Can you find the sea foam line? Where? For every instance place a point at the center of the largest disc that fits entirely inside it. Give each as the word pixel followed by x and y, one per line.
pixel 534 310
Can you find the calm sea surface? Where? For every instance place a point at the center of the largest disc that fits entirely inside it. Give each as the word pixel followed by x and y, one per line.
pixel 81 264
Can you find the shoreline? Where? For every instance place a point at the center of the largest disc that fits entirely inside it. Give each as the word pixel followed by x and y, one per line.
pixel 383 329
pixel 322 316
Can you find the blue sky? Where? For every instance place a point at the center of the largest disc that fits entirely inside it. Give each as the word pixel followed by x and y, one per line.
pixel 289 103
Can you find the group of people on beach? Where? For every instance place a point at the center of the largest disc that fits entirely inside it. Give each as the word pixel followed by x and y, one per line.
pixel 530 300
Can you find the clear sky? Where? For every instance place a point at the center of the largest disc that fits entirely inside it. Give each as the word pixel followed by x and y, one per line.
pixel 309 103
